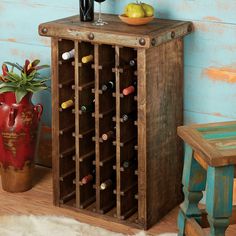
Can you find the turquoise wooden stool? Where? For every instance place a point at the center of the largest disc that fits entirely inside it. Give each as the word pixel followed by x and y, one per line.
pixel 210 157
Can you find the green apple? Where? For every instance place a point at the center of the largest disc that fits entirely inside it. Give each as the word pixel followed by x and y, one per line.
pixel 134 10
pixel 148 9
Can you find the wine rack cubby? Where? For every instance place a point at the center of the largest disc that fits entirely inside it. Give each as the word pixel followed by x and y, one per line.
pixel 117 100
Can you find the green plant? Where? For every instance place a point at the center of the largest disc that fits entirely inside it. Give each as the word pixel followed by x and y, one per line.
pixel 28 81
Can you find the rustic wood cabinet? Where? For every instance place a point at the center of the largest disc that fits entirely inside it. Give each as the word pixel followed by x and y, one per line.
pixel 142 193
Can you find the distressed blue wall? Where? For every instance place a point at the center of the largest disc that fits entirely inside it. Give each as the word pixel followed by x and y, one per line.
pixel 210 52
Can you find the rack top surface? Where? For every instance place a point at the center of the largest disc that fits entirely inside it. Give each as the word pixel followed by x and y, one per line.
pixel 154 33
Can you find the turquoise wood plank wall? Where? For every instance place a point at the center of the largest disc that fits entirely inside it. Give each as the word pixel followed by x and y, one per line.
pixel 210 52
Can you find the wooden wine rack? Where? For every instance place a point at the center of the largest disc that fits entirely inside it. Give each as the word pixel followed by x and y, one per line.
pixel 141 194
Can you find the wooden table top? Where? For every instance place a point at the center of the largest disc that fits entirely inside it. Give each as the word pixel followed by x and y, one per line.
pixel 214 142
pixel 156 32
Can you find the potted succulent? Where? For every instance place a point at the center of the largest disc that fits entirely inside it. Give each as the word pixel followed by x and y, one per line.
pixel 19 120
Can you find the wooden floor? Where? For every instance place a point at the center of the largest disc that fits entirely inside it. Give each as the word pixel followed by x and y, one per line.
pixel 38 201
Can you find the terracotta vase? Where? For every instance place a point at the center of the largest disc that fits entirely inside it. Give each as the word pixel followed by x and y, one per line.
pixel 18 133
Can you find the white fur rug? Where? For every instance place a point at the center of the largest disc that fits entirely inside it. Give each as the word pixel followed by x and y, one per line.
pixel 52 225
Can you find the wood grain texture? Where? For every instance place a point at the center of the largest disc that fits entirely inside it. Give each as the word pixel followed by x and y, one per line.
pixel 97 128
pixel 157 32
pixel 192 228
pixel 207 140
pixel 118 115
pixel 142 138
pixel 163 115
pixel 77 122
pixel 55 122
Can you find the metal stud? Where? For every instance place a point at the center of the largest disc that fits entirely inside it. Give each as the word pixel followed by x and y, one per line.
pixel 190 28
pixel 153 42
pixel 91 36
pixel 142 41
pixel 173 34
pixel 44 30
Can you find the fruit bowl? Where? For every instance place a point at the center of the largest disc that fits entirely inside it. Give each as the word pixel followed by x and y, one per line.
pixel 136 21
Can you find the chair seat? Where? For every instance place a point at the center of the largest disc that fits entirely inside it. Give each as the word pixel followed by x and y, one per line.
pixel 215 143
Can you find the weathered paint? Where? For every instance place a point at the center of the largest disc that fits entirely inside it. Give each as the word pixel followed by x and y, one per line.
pixel 212 18
pixel 222 74
pixel 209 89
pixel 194 182
pixel 219 198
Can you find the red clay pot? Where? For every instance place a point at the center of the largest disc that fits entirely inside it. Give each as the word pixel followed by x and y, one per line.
pixel 18 133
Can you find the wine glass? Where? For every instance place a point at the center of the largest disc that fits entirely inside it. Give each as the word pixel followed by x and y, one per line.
pixel 100 20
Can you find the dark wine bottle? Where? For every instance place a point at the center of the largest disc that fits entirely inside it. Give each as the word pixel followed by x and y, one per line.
pixel 133 62
pixel 86 10
pixel 88 108
pixel 88 178
pixel 109 86
pixel 109 135
pixel 131 162
pixel 130 116
pixel 131 89
pixel 106 184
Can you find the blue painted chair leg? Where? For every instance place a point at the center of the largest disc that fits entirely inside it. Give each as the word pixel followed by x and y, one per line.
pixel 194 182
pixel 181 223
pixel 219 198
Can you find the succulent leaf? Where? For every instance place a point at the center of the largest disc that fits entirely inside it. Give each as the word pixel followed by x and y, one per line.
pixel 29 80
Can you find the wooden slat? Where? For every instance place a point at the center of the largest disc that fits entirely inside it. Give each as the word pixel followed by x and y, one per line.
pixel 221 135
pixel 142 137
pixel 55 123
pixel 207 126
pixel 118 153
pixel 77 122
pixel 217 128
pixel 97 129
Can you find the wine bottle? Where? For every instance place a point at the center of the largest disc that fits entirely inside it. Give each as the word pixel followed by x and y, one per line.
pixel 88 108
pixel 110 85
pixel 131 89
pixel 86 10
pixel 87 59
pixel 106 184
pixel 129 163
pixel 133 62
pixel 88 178
pixel 67 104
pixel 68 55
pixel 108 135
pixel 130 116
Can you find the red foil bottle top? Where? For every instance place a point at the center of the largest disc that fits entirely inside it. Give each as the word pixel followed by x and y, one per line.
pixel 87 179
pixel 129 90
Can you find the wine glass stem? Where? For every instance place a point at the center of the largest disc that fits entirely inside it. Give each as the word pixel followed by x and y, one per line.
pixel 100 11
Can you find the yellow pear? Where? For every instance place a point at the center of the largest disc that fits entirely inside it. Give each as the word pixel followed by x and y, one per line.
pixel 134 10
pixel 148 9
